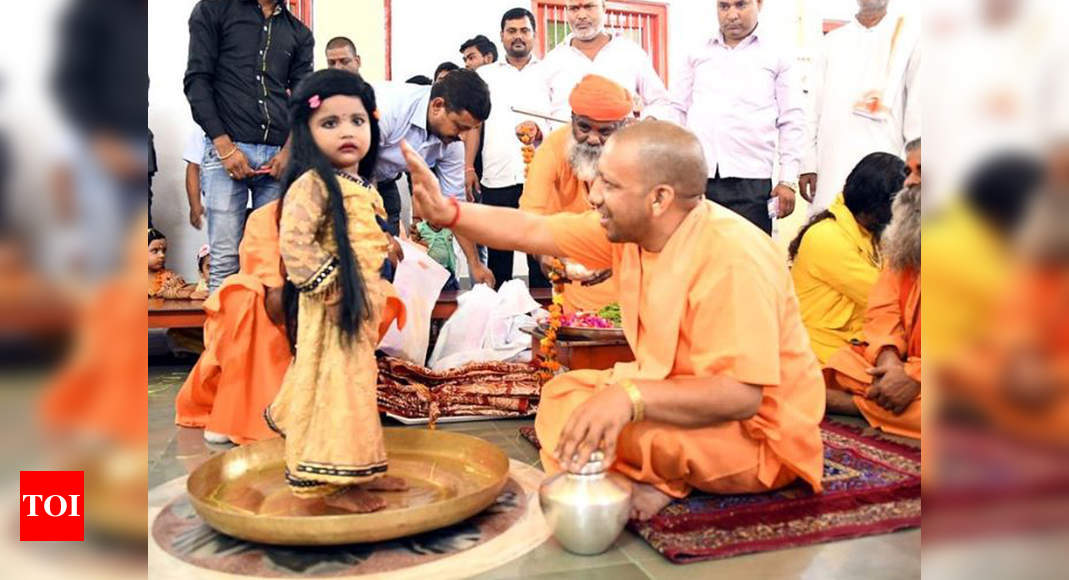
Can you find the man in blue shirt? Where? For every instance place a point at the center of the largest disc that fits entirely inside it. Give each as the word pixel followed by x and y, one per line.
pixel 431 120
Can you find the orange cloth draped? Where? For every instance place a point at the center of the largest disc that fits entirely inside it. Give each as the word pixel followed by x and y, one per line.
pixel 718 299
pixel 893 319
pixel 245 354
pixel 1034 320
pixel 99 392
pixel 600 99
pixel 551 188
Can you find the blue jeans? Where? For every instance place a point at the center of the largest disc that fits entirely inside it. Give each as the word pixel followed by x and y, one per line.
pixel 225 203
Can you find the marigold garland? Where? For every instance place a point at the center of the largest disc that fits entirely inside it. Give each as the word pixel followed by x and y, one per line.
pixel 550 365
pixel 548 345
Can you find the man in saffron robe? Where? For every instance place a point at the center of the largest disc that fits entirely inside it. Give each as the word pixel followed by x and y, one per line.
pixel 725 394
pixel 246 352
pixel 564 166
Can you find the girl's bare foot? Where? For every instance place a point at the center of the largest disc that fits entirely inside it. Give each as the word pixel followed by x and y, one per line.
pixel 647 501
pixel 355 499
pixel 386 483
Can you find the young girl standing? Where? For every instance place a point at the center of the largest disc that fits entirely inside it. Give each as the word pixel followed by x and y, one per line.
pixel 332 249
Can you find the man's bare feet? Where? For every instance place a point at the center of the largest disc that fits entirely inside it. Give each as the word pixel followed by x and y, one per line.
pixel 355 499
pixel 647 501
pixel 386 483
pixel 841 403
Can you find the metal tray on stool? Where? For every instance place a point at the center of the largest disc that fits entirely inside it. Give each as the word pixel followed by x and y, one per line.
pixel 586 333
pixel 451 477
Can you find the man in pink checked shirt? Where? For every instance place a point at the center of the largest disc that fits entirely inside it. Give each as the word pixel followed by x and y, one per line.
pixel 739 94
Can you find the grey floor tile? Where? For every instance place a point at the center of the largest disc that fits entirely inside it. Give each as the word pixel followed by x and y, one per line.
pixel 551 558
pixel 621 572
pixel 890 557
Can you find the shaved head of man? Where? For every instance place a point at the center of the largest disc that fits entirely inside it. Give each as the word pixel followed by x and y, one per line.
pixel 650 175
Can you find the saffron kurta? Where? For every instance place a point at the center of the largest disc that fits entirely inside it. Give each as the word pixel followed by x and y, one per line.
pixel 833 272
pixel 893 320
pixel 551 188
pixel 718 299
pixel 326 408
pixel 245 354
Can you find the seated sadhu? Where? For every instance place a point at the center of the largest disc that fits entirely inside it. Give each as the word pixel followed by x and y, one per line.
pixel 1014 374
pixel 564 166
pixel 246 352
pixel 880 377
pixel 725 394
pixel 835 258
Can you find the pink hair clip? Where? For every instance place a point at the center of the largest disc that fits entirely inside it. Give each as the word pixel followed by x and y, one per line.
pixel 314 102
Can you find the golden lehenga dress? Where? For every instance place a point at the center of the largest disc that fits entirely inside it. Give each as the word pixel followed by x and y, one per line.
pixel 326 408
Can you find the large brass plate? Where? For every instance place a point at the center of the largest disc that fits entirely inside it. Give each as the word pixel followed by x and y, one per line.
pixel 451 477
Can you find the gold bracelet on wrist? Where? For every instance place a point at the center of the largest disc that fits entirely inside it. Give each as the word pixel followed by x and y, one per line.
pixel 232 152
pixel 638 406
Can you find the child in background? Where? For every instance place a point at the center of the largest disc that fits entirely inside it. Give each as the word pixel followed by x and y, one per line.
pixel 193 156
pixel 333 249
pixel 204 260
pixel 439 244
pixel 163 283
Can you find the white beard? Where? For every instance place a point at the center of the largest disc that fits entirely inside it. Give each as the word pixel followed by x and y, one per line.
pixel 584 160
pixel 901 242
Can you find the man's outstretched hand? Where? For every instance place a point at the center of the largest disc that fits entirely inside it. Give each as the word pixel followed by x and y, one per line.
pixel 427 199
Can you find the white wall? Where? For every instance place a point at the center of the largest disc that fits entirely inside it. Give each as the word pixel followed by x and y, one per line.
pixel 171 122
pixel 427 33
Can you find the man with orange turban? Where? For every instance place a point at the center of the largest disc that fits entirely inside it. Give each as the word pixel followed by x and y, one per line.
pixel 563 168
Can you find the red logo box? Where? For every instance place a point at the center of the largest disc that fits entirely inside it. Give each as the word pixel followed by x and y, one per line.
pixel 51 506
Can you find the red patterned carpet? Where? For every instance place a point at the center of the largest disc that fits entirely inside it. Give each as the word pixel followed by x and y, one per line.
pixel 872 486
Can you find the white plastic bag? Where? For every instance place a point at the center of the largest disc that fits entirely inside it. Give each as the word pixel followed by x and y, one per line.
pixel 486 326
pixel 418 280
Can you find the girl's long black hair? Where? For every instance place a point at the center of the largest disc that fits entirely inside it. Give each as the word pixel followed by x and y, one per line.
pixel 306 156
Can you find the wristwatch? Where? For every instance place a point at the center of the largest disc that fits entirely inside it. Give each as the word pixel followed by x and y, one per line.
pixel 792 185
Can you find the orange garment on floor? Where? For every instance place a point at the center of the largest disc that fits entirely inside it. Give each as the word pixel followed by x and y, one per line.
pixel 718 299
pixel 246 355
pixel 893 319
pixel 551 188
pixel 99 392
pixel 1034 321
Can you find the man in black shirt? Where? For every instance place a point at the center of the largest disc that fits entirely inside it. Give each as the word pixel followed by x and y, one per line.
pixel 244 58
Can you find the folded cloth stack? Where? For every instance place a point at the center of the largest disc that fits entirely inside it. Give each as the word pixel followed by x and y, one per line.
pixel 491 388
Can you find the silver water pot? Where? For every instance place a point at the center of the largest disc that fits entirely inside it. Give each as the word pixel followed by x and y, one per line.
pixel 587 510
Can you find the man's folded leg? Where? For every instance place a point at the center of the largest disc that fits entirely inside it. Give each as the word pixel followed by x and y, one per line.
pixel 721 458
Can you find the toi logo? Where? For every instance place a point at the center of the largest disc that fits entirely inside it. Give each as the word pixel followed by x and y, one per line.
pixel 51 506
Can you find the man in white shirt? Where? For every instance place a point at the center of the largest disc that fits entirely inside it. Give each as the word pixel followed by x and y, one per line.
pixel 430 119
pixel 478 52
pixel 590 49
pixel 865 98
pixel 738 93
pixel 513 82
